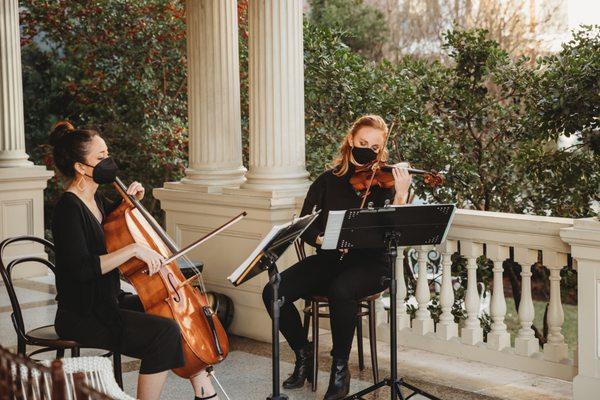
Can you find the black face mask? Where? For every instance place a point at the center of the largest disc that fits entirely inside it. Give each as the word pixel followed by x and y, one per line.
pixel 363 155
pixel 105 171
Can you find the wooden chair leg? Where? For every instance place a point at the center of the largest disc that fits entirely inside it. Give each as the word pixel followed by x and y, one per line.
pixel 315 339
pixel 306 323
pixel 359 339
pixel 117 369
pixel 75 351
pixel 373 340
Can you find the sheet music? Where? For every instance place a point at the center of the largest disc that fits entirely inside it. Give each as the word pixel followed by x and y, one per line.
pixel 240 270
pixel 333 229
pixel 335 221
pixel 276 230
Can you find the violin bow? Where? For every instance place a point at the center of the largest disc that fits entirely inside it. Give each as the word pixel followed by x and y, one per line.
pixel 376 163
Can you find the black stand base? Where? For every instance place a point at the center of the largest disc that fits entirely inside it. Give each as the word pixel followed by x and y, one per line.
pixel 274 280
pixel 395 388
pixel 393 382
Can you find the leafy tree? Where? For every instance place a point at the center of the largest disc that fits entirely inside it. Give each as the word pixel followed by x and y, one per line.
pixel 118 66
pixel 568 96
pixel 362 27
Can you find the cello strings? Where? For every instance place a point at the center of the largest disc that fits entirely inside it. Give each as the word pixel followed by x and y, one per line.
pixel 212 375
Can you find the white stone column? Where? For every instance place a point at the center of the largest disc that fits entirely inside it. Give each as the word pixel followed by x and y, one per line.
pixel 422 324
pixel 276 67
pixel 21 183
pixel 402 317
pixel 447 328
pixel 471 333
pixel 526 343
pixel 584 238
pixel 12 133
pixel 498 338
pixel 215 144
pixel 555 349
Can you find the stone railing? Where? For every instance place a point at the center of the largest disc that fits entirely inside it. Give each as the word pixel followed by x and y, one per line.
pixel 524 239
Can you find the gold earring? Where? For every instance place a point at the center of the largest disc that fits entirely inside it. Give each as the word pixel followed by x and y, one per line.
pixel 81 189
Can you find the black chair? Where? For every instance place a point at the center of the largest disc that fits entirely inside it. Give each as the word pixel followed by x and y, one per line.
pixel 366 308
pixel 45 336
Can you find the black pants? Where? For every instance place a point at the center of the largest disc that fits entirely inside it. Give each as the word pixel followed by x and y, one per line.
pixel 153 339
pixel 343 282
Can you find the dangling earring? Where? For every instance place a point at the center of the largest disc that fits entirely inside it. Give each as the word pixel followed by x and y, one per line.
pixel 81 189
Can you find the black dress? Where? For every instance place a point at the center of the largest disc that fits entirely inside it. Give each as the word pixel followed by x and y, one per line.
pixel 92 308
pixel 344 281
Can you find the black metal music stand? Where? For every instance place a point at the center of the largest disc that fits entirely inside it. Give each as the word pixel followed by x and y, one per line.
pixel 393 227
pixel 266 255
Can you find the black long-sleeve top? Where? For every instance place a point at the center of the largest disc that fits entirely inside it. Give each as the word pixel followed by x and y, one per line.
pixel 79 242
pixel 330 192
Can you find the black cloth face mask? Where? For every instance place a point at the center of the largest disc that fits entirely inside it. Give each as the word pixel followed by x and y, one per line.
pixel 105 171
pixel 363 155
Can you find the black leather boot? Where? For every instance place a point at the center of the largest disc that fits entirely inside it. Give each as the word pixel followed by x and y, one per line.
pixel 303 368
pixel 339 380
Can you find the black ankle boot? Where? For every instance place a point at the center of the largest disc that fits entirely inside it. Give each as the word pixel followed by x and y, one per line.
pixel 303 368
pixel 339 380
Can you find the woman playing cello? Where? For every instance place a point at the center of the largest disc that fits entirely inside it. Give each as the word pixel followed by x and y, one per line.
pixel 92 309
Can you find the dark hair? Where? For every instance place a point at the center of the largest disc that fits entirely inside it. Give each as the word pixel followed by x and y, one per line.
pixel 70 145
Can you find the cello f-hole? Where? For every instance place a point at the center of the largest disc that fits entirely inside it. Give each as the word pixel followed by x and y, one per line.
pixel 177 299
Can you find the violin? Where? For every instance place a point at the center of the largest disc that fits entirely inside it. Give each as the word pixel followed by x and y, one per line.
pixel 167 293
pixel 381 174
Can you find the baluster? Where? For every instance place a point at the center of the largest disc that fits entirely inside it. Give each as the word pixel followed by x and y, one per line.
pixel 403 319
pixel 555 349
pixel 498 338
pixel 471 333
pixel 447 328
pixel 526 343
pixel 422 323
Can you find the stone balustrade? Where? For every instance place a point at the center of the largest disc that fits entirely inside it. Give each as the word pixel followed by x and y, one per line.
pixel 528 241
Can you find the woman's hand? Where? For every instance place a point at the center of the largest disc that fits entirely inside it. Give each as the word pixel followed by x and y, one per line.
pixel 153 259
pixel 136 189
pixel 402 181
pixel 319 240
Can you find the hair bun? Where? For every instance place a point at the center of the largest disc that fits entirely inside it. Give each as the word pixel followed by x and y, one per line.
pixel 59 131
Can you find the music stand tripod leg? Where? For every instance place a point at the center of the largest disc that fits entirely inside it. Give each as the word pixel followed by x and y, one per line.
pixel 274 280
pixel 395 384
pixel 392 240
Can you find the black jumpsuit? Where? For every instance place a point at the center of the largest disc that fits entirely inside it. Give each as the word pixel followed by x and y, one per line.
pixel 92 308
pixel 357 275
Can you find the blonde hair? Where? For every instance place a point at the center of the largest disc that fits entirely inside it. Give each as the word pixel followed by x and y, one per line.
pixel 341 164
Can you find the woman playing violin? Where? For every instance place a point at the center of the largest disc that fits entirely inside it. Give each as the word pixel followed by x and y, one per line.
pixel 92 309
pixel 345 279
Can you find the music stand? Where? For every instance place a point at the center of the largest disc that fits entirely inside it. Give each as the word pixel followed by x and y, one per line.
pixel 392 227
pixel 264 258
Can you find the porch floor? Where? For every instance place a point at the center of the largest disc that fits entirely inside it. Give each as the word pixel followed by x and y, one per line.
pixel 246 373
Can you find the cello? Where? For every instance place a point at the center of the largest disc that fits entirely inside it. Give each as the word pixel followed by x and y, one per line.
pixel 167 293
